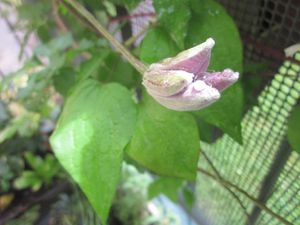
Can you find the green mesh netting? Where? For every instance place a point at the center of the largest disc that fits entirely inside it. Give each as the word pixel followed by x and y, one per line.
pixel 264 166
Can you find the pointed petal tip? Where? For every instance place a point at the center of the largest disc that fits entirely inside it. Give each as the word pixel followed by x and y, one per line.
pixel 205 46
pixel 209 43
pixel 221 80
pixel 234 76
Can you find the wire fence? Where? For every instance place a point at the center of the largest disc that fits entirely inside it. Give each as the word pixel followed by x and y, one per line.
pixel 265 166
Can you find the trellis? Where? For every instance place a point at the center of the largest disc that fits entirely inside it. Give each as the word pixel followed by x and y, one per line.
pixel 265 166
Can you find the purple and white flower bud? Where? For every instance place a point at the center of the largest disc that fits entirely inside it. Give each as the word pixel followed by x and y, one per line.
pixel 182 83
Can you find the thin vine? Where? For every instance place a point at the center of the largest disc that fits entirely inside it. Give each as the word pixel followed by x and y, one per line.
pixel 255 201
pixel 90 21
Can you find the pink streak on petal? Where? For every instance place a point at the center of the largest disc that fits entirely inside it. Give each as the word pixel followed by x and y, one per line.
pixel 221 80
pixel 196 65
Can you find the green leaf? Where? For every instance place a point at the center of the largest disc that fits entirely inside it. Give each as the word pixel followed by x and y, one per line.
pixel 157 45
pixel 293 134
pixel 213 21
pixel 64 80
pixel 33 95
pixel 4 114
pixel 19 124
pixel 189 198
pixel 110 8
pixel 28 179
pixel 50 168
pixel 35 162
pixel 226 113
pixel 251 84
pixel 165 141
pixel 7 80
pixel 197 6
pixel 174 15
pixel 115 69
pixel 96 123
pixel 45 168
pixel 39 80
pixel 131 4
pixel 166 186
pixel 32 11
pixel 94 5
pixel 206 130
pixel 89 67
pixel 55 45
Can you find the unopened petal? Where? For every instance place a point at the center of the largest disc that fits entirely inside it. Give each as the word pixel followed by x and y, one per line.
pixel 182 83
pixel 194 60
pixel 191 52
pixel 197 96
pixel 221 80
pixel 166 83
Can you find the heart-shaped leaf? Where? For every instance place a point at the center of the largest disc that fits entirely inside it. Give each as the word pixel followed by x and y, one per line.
pixel 165 141
pixel 96 124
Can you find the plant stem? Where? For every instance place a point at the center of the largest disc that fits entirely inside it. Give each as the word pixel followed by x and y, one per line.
pixel 63 28
pixel 228 184
pixel 132 39
pixel 89 20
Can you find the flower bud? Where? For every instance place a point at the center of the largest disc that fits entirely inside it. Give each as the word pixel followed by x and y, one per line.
pixel 182 83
